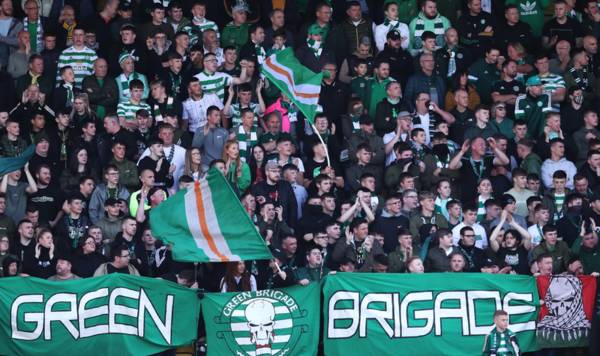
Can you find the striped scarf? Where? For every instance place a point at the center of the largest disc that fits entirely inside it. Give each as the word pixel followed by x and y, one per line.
pixel 502 343
pixel 156 109
pixel 70 96
pixel 39 39
pixel 438 30
pixel 480 208
pixel 315 46
pixel 260 53
pixel 246 141
pixel 124 81
pixel 69 29
pixel 559 200
pixel 391 24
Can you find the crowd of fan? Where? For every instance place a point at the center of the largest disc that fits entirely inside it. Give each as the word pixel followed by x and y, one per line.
pixel 451 137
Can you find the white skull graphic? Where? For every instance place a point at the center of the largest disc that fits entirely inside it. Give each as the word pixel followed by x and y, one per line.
pixel 561 296
pixel 260 314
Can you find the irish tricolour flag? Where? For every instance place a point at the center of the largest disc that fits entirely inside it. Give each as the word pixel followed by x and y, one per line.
pixel 299 83
pixel 207 223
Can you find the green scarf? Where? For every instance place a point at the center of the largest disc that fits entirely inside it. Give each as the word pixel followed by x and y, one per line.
pixel 501 343
pixel 315 46
pixel 260 53
pixel 156 109
pixel 391 24
pixel 246 141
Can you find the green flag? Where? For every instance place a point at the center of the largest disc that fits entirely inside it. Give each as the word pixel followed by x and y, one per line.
pixel 268 322
pixel 11 164
pixel 424 314
pixel 207 223
pixel 299 83
pixel 116 314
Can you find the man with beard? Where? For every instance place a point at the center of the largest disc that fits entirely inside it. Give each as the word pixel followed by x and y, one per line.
pixel 400 61
pixel 507 89
pixel 452 57
pixel 427 20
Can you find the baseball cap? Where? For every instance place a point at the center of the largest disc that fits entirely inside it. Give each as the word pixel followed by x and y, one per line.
pixel 507 199
pixel 394 35
pixel 404 114
pixel 533 81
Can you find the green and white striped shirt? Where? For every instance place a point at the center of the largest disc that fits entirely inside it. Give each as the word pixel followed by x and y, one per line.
pixel 235 112
pixel 204 25
pixel 81 60
pixel 551 82
pixel 128 109
pixel 214 83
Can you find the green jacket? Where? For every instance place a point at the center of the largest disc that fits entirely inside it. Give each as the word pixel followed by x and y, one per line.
pixel 312 274
pixel 419 220
pixel 560 255
pixel 396 260
pixel 590 257
pixel 243 181
pixel 233 35
pixel 128 174
pixel 532 164
pixel 376 93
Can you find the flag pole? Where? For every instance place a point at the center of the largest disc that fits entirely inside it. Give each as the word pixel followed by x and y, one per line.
pixel 323 142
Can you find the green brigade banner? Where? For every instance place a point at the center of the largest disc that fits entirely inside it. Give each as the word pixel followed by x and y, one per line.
pixel 115 314
pixel 424 314
pixel 268 322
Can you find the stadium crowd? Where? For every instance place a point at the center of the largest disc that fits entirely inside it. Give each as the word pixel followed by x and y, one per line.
pixel 457 136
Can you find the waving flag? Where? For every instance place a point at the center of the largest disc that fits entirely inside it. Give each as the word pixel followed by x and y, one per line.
pixel 299 83
pixel 11 164
pixel 207 223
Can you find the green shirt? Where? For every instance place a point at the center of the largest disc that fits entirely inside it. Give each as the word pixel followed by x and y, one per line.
pixel 483 75
pixel 32 29
pixel 533 111
pixel 128 109
pixel 233 35
pixel 532 13
pixel 376 93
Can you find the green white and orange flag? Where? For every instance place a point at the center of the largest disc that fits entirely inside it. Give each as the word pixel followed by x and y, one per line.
pixel 207 223
pixel 299 83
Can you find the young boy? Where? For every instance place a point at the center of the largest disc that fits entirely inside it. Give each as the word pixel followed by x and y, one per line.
pixel 244 96
pixel 454 209
pixel 126 110
pixel 279 40
pixel 359 83
pixel 418 140
pixel 501 341
pixel 200 23
pixel 64 95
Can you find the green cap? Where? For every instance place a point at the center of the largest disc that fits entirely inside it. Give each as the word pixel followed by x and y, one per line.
pixel 124 56
pixel 533 81
pixel 315 29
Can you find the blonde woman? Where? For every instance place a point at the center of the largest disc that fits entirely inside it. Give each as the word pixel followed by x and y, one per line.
pixel 237 171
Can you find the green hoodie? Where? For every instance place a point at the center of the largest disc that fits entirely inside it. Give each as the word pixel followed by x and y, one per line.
pixel 420 24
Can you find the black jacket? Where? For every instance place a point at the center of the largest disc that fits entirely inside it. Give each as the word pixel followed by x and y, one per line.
pixel 285 198
pixel 106 95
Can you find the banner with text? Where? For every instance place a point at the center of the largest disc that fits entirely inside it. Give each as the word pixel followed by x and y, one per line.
pixel 268 322
pixel 424 314
pixel 115 314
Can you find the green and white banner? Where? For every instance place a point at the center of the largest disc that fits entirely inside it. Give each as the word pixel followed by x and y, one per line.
pixel 424 314
pixel 115 314
pixel 299 83
pixel 268 322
